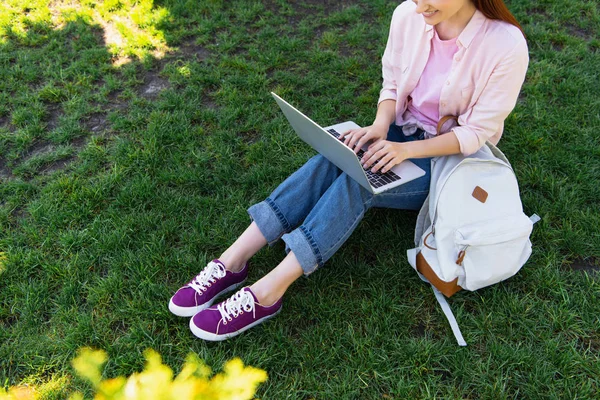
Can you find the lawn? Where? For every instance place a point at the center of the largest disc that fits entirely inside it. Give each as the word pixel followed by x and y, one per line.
pixel 135 134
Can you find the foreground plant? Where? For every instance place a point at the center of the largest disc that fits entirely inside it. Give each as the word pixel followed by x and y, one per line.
pixel 237 382
pixel 17 393
pixel 2 261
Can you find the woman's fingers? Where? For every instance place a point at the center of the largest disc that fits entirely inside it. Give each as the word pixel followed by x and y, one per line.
pixel 345 133
pixel 357 139
pixel 363 140
pixel 374 154
pixel 385 156
pixel 345 136
pixel 349 138
pixel 375 142
pixel 383 163
pixel 376 159
pixel 390 164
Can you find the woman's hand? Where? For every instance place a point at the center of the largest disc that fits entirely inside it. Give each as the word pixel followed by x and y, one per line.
pixel 356 138
pixel 388 153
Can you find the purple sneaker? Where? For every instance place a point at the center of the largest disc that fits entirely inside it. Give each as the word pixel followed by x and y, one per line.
pixel 231 317
pixel 201 291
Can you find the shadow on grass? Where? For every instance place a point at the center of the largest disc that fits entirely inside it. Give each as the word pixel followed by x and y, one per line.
pixel 62 84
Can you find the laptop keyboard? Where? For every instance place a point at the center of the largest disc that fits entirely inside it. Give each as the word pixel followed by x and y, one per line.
pixel 375 179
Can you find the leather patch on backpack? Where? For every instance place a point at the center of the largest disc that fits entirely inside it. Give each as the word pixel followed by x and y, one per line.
pixel 480 194
pixel 447 288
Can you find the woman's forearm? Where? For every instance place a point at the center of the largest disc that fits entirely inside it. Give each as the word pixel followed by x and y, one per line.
pixel 442 145
pixel 386 113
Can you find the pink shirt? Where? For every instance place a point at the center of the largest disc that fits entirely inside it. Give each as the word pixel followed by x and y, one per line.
pixel 484 81
pixel 424 105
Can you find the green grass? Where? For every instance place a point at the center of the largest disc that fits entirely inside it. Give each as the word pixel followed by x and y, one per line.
pixel 134 135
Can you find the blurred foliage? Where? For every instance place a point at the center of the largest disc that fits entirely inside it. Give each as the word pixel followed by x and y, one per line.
pixel 156 382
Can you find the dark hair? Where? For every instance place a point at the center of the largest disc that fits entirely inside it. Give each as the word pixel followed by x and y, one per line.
pixel 496 9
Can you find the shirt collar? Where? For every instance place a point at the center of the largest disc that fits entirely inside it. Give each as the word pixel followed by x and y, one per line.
pixel 468 34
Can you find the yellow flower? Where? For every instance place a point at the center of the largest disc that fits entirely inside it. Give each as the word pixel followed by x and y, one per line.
pixel 2 261
pixel 88 364
pixel 152 383
pixel 111 389
pixel 156 382
pixel 237 382
pixel 17 393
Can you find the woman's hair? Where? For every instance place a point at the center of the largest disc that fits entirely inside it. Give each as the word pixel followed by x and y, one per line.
pixel 496 9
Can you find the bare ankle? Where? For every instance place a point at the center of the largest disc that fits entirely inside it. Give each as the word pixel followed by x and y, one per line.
pixel 265 298
pixel 236 267
pixel 232 264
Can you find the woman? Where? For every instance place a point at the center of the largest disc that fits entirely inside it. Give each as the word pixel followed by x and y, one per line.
pixel 443 57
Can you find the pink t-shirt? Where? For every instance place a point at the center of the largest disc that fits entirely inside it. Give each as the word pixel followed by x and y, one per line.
pixel 425 104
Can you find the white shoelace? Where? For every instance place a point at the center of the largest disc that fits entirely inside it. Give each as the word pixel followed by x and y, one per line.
pixel 236 305
pixel 207 277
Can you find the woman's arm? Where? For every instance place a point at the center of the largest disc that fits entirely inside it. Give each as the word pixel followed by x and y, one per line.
pixel 386 113
pixel 498 98
pixel 443 145
pixel 392 153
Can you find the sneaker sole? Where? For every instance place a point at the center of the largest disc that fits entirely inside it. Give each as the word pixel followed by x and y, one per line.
pixel 191 311
pixel 213 337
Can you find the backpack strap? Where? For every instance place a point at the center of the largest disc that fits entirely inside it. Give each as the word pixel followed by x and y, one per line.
pixel 449 316
pixel 443 121
pixel 412 260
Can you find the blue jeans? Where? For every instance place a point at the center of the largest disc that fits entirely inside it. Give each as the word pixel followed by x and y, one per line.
pixel 316 208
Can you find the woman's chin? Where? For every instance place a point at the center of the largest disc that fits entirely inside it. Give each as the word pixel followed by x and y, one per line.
pixel 431 19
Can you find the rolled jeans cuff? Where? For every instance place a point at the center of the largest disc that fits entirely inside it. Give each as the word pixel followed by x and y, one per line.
pixel 269 219
pixel 305 248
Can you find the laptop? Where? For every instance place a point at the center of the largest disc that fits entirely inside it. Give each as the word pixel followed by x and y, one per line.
pixel 325 141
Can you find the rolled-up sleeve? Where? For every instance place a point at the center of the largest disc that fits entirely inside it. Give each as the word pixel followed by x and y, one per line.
pixel 498 98
pixel 389 89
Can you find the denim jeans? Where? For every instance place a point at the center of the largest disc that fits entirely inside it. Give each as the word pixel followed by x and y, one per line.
pixel 316 209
